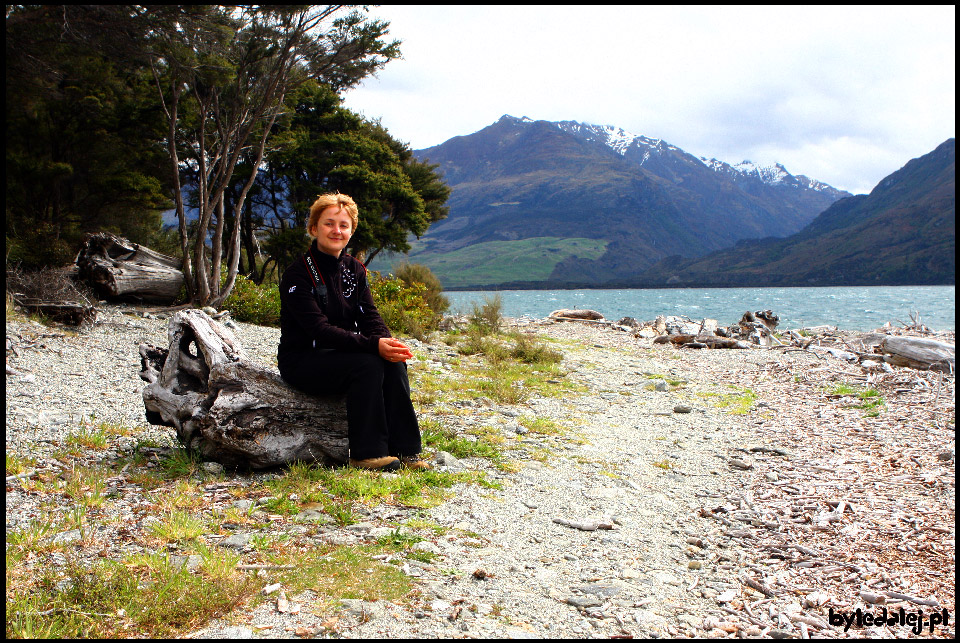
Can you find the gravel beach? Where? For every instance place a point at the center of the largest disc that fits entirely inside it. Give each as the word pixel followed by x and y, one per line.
pixel 691 493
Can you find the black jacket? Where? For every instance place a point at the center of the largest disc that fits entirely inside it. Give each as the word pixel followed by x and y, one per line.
pixel 350 320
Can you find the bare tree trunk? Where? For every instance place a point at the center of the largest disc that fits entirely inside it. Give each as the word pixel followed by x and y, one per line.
pixel 171 112
pixel 231 410
pixel 235 234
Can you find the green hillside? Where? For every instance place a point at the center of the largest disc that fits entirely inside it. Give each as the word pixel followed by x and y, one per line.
pixel 497 262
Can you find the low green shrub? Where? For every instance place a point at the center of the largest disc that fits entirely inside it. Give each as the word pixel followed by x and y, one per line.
pixel 416 273
pixel 254 304
pixel 403 307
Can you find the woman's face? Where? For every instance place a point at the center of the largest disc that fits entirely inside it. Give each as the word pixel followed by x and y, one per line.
pixel 332 230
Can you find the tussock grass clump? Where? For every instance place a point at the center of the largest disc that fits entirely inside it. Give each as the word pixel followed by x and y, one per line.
pixel 530 350
pixel 487 317
pixel 144 595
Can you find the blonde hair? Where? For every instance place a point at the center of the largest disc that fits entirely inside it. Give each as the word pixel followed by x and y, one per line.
pixel 324 201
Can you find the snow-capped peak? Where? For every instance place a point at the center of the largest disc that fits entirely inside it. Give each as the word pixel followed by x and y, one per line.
pixel 768 174
pixel 620 141
pixel 522 119
pixel 616 138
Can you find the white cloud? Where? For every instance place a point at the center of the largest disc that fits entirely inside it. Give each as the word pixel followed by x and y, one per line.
pixel 843 95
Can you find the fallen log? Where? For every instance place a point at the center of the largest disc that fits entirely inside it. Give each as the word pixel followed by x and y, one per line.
pixel 117 268
pixel 69 312
pixel 705 341
pixel 577 315
pixel 233 411
pixel 919 353
pixel 51 292
pixel 723 342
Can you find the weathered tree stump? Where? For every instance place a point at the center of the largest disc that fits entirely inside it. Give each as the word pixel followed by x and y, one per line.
pixel 758 327
pixel 231 410
pixel 117 268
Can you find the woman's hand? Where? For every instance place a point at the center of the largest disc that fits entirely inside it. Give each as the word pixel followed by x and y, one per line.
pixel 393 350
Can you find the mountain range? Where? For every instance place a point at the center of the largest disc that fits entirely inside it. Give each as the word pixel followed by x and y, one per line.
pixel 903 232
pixel 555 204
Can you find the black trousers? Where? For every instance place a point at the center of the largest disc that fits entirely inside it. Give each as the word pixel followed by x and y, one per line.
pixel 380 416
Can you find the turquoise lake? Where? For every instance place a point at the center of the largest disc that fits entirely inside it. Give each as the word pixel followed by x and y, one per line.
pixel 849 308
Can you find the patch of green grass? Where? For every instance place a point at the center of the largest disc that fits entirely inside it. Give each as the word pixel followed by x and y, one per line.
pixel 425 524
pixel 178 526
pixel 844 389
pixel 871 400
pixel 443 439
pixel 88 437
pixel 673 382
pixel 426 388
pixel 739 403
pixel 543 426
pixel 346 572
pixel 283 506
pixel 17 464
pixel 180 463
pixel 530 349
pixel 146 596
pixel 399 540
pixel 85 486
pixel 335 489
pixel 31 539
pixel 664 464
pixel 182 494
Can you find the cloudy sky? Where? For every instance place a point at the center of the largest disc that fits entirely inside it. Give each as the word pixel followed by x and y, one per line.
pixel 843 95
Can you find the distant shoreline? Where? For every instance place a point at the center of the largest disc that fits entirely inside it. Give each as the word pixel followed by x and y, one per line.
pixel 546 285
pixel 845 307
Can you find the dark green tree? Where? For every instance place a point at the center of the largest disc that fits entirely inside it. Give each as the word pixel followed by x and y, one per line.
pixel 234 66
pixel 330 148
pixel 83 150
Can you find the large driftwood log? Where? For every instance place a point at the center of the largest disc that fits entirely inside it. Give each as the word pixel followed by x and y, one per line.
pixel 566 314
pixel 117 268
pixel 920 353
pixel 231 410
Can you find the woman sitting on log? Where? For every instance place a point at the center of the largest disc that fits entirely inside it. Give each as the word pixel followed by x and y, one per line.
pixel 333 340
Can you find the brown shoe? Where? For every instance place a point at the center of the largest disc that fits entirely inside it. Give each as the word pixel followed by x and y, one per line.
pixel 414 462
pixel 386 463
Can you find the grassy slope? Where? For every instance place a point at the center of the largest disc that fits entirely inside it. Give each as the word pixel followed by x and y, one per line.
pixel 494 262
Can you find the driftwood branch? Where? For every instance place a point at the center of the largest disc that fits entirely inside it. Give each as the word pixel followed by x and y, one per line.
pixel 919 352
